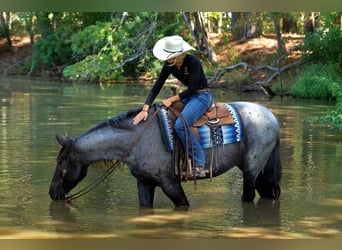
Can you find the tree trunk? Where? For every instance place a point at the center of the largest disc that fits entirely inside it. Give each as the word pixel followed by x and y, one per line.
pixel 5 26
pixel 29 26
pixel 219 25
pixel 235 29
pixel 44 24
pixel 200 35
pixel 281 44
pixel 289 23
pixel 251 28
pixel 309 24
pixel 244 26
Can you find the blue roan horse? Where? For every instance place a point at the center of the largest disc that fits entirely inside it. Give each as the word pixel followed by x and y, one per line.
pixel 142 148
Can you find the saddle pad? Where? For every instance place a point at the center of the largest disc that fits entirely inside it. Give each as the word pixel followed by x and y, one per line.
pixel 166 128
pixel 225 134
pixel 221 135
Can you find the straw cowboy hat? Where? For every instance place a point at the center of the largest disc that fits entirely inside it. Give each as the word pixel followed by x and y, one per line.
pixel 170 46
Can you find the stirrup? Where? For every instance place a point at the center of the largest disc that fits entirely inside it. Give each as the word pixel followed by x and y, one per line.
pixel 192 173
pixel 201 172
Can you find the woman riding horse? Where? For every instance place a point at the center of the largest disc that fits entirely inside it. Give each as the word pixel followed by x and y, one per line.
pixel 188 70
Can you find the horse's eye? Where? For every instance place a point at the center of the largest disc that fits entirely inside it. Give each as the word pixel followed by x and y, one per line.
pixel 64 172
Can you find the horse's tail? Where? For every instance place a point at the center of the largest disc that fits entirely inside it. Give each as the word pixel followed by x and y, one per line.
pixel 267 182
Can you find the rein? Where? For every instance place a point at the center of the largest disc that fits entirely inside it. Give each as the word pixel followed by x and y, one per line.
pixel 189 162
pixel 97 182
pixel 94 184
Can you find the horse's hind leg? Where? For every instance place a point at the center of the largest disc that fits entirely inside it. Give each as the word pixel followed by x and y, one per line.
pixel 248 194
pixel 267 183
pixel 267 189
pixel 146 193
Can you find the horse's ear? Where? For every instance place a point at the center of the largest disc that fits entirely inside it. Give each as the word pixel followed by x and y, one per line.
pixel 63 141
pixel 67 136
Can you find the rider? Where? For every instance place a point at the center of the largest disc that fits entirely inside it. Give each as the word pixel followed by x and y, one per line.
pixel 188 70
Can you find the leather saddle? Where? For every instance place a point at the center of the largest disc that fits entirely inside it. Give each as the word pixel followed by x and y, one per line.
pixel 216 115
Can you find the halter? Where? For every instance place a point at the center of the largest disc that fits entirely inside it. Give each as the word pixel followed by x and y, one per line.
pixel 114 165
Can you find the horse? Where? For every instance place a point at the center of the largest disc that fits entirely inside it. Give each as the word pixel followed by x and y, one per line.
pixel 142 148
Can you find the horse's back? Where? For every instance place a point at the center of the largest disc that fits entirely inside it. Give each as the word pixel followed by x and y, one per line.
pixel 257 114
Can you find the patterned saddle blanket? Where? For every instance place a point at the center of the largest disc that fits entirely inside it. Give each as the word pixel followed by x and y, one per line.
pixel 220 125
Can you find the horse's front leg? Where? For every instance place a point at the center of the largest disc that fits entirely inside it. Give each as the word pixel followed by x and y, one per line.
pixel 174 190
pixel 146 193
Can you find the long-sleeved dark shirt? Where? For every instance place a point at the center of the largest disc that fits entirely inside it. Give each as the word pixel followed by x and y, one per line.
pixel 190 74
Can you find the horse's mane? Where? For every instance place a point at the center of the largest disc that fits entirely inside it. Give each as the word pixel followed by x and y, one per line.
pixel 121 121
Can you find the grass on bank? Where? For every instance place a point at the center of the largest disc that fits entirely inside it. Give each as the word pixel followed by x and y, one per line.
pixel 324 82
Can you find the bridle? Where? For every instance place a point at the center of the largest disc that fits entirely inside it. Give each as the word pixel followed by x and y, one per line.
pixel 114 165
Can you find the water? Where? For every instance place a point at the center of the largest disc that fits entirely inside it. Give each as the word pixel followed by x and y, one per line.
pixel 33 112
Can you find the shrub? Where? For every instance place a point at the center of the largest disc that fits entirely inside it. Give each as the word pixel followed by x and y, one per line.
pixel 324 45
pixel 318 81
pixel 322 81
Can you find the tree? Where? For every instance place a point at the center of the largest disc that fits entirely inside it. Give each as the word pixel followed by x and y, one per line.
pixel 109 50
pixel 276 19
pixel 245 25
pixel 289 24
pixel 5 20
pixel 199 32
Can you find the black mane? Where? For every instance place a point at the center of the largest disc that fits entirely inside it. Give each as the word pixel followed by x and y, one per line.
pixel 121 121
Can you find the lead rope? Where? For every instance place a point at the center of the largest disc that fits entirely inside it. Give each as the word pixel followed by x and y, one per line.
pixel 97 182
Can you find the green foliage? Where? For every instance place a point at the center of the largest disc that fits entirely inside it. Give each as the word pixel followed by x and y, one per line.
pixel 51 51
pixel 53 47
pixel 333 117
pixel 324 45
pixel 101 49
pixel 318 81
pixel 322 81
pixel 96 52
pixel 118 49
pixel 2 33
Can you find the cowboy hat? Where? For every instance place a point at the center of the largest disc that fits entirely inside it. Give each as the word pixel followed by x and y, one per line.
pixel 170 46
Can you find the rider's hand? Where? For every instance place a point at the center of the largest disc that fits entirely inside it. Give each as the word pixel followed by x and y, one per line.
pixel 143 114
pixel 168 102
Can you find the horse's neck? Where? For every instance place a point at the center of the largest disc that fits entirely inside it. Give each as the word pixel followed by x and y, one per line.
pixel 105 144
pixel 112 143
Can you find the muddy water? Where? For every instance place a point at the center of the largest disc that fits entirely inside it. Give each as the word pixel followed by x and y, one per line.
pixel 32 112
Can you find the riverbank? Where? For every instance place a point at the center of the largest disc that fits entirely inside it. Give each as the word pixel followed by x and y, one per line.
pixel 255 52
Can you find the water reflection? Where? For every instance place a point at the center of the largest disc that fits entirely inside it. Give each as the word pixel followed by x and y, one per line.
pixel 31 113
pixel 62 220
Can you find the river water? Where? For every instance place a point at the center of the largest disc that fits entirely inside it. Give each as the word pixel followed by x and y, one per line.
pixel 33 112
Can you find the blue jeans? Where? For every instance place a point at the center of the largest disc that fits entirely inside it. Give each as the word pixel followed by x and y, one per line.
pixel 194 108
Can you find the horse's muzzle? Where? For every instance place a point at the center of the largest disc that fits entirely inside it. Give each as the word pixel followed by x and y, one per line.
pixel 56 194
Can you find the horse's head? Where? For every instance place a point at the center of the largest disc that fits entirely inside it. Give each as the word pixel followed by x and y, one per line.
pixel 69 170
